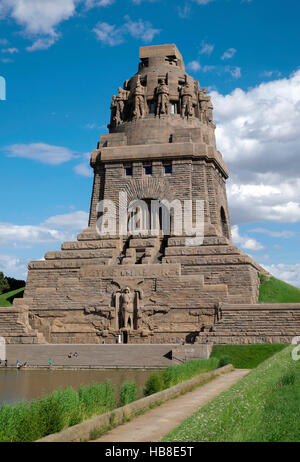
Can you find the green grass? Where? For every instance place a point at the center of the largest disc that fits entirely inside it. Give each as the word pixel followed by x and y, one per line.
pixel 26 422
pixel 276 291
pixel 172 375
pixel 262 407
pixel 246 356
pixel 7 298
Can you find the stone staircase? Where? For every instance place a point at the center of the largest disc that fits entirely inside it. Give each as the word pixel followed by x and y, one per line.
pixel 106 356
pixel 142 250
pixel 14 327
pixel 264 323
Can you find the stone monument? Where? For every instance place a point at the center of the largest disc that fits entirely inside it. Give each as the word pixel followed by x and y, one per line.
pixel 145 286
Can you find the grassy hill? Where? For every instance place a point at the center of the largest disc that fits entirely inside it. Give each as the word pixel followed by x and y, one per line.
pixel 246 356
pixel 7 298
pixel 262 407
pixel 276 291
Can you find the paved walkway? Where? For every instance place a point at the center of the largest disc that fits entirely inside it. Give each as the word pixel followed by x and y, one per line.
pixel 158 422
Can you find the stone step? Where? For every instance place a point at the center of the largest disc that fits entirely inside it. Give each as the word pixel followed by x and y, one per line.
pixel 82 254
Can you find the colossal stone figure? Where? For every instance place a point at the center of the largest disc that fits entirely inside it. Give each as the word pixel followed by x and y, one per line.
pixel 162 98
pixel 139 99
pixel 186 94
pixel 127 309
pixel 206 107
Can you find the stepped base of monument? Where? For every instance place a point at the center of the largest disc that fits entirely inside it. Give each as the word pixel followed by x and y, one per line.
pixel 255 324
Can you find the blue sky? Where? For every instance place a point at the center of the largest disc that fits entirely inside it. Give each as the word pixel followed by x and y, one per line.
pixel 62 61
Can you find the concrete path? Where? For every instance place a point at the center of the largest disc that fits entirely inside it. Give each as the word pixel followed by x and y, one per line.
pixel 158 422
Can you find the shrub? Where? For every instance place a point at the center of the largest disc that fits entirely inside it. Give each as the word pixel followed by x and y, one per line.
pixel 96 398
pixel 128 393
pixel 175 374
pixel 287 379
pixel 154 384
pixel 224 360
pixel 62 409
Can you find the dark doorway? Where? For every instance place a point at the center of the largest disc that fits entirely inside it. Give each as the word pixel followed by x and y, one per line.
pixel 125 336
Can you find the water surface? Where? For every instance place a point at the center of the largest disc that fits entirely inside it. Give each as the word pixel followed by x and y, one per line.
pixel 28 384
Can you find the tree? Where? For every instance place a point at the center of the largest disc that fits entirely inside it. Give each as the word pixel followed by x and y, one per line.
pixel 4 285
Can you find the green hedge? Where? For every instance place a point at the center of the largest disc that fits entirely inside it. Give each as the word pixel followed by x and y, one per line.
pixel 159 381
pixel 128 393
pixel 26 422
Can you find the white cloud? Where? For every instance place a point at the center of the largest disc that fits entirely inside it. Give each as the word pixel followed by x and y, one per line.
pixel 84 168
pixel 112 35
pixel 108 33
pixel 206 48
pixel 41 152
pixel 203 2
pixel 258 133
pixel 96 3
pixel 271 73
pixel 184 12
pixel 138 2
pixel 235 71
pixel 10 50
pixel 194 66
pixel 246 242
pixel 42 44
pixel 285 272
pixel 140 29
pixel 268 232
pixel 68 221
pixel 38 17
pixel 55 229
pixel 12 266
pixel 228 54
pixel 29 234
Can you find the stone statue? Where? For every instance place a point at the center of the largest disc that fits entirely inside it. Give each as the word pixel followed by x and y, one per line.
pixel 186 94
pixel 118 105
pixel 139 100
pixel 127 309
pixel 162 106
pixel 206 107
pixel 113 108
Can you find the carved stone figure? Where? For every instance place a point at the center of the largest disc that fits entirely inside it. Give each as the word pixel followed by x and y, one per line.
pixel 127 308
pixel 113 108
pixel 206 107
pixel 186 94
pixel 162 98
pixel 118 106
pixel 139 100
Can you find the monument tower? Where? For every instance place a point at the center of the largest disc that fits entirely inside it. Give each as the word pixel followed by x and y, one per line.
pixel 141 285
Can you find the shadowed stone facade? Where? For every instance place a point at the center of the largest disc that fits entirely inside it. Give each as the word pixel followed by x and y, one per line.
pixel 161 146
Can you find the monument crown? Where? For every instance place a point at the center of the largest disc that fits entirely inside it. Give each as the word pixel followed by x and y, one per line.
pixel 160 99
pixel 168 53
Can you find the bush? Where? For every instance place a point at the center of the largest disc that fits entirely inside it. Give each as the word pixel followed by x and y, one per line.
pixel 128 393
pixel 62 409
pixel 175 374
pixel 224 360
pixel 96 398
pixel 287 379
pixel 154 384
